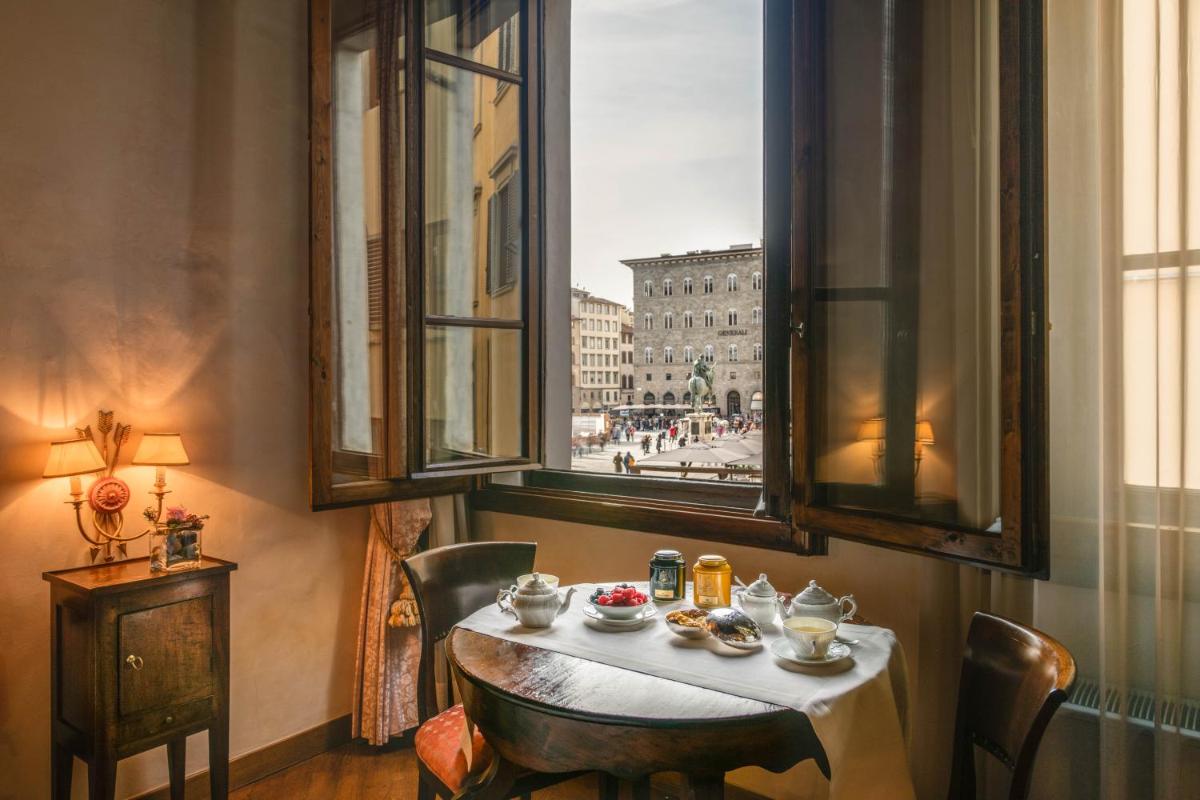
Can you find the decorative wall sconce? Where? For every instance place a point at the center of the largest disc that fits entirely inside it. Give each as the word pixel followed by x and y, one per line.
pixel 875 430
pixel 108 495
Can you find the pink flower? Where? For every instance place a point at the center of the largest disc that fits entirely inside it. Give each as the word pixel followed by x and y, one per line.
pixel 177 514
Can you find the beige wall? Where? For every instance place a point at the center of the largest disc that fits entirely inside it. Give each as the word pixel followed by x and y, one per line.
pixel 153 226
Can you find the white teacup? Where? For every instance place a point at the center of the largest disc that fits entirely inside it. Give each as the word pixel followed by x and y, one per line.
pixel 810 637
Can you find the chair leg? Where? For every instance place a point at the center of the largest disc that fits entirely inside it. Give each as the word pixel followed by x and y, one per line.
pixel 425 791
pixel 610 787
pixel 641 788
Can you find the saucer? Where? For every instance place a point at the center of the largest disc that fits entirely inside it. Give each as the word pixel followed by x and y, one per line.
pixel 648 611
pixel 837 651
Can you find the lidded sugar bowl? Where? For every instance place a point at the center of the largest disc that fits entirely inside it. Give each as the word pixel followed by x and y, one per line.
pixel 759 600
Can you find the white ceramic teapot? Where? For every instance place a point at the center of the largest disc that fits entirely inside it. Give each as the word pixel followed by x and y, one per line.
pixel 759 600
pixel 816 602
pixel 535 604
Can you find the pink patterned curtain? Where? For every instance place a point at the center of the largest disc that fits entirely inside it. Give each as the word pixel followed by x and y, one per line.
pixel 389 638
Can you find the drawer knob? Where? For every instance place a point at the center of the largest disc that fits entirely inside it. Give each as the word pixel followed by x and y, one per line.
pixel 135 661
pixel 170 719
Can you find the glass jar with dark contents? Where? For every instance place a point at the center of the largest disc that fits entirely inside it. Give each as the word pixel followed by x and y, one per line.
pixel 668 576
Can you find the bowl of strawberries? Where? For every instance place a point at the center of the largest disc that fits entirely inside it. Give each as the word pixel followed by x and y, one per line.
pixel 620 602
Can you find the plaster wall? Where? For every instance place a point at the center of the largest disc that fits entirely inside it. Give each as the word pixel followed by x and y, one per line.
pixel 153 226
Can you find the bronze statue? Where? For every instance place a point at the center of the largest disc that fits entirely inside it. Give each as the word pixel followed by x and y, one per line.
pixel 701 385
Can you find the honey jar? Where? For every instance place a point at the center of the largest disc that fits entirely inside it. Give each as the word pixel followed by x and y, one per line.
pixel 712 582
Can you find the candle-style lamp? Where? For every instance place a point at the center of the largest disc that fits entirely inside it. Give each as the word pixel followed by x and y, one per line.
pixel 71 459
pixel 161 450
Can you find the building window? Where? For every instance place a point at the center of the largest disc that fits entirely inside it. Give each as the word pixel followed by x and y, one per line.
pixel 710 353
pixel 756 315
pixel 731 282
pixel 732 316
pixel 649 355
pixel 649 376
pixel 668 356
pixel 758 352
pixel 648 288
pixel 648 398
pixel 667 287
pixel 668 320
pixel 708 284
pixel 504 237
pixel 687 285
pixel 669 398
pixel 733 352
pixel 733 403
pixel 687 319
pixel 756 281
pixel 688 355
pixel 709 318
pixel 648 321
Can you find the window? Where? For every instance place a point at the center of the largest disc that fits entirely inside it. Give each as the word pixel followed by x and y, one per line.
pixel 733 352
pixel 756 315
pixel 648 288
pixel 668 356
pixel 710 353
pixel 731 283
pixel 648 398
pixel 688 355
pixel 649 357
pixel 687 285
pixel 648 322
pixel 756 282
pixel 668 398
pixel 668 321
pixel 687 319
pixel 666 287
pixel 758 352
pixel 709 318
pixel 732 316
pixel 708 284
pixel 504 237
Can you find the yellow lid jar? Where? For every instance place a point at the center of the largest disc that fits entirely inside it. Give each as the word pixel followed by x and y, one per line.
pixel 712 582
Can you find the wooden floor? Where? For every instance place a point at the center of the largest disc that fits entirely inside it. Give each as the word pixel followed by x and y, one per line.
pixel 358 772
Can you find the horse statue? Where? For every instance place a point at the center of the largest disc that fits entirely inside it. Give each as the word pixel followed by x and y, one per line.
pixel 701 385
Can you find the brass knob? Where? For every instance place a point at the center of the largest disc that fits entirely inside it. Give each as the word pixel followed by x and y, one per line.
pixel 169 719
pixel 135 661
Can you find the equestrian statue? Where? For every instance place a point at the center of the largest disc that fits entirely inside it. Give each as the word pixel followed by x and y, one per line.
pixel 701 385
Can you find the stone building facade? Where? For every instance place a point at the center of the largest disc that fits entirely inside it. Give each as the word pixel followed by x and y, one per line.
pixel 703 304
pixel 596 325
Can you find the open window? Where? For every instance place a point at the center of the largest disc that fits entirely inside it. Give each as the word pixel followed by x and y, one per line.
pixel 881 325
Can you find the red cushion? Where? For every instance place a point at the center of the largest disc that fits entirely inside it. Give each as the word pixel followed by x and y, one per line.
pixel 439 746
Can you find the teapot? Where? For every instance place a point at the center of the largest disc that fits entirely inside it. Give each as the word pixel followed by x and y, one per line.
pixel 816 602
pixel 535 604
pixel 759 600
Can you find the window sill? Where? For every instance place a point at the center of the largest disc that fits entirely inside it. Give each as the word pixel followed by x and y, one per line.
pixel 726 524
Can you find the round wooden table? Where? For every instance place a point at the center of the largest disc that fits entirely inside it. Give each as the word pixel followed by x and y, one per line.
pixel 551 712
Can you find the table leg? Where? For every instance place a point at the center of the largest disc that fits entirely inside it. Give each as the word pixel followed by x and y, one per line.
pixel 641 788
pixel 610 787
pixel 62 764
pixel 707 785
pixel 176 760
pixel 218 759
pixel 102 777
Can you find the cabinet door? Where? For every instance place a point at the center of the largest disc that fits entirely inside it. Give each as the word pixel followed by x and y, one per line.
pixel 172 655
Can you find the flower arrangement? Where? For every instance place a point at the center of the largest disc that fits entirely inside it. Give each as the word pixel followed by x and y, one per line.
pixel 175 541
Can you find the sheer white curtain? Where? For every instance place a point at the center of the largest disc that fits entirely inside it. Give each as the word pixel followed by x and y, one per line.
pixel 1124 254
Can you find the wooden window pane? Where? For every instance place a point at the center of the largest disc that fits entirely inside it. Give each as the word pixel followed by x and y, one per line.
pixel 484 32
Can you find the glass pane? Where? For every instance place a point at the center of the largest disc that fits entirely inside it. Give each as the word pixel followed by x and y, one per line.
pixel 906 336
pixel 485 31
pixel 473 195
pixel 474 394
pixel 666 224
pixel 358 268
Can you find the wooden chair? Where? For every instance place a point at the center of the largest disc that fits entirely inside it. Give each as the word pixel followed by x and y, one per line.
pixel 450 583
pixel 1013 680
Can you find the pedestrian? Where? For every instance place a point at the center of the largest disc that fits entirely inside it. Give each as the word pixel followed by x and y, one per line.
pixel 658 444
pixel 629 462
pixel 618 462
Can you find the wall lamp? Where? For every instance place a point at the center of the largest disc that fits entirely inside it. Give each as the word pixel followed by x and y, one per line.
pixel 108 495
pixel 875 430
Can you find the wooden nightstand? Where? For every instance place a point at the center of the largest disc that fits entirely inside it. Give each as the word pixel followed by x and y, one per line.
pixel 137 660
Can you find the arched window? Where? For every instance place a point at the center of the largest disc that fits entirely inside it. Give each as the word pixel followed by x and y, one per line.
pixel 668 355
pixel 731 282
pixel 687 319
pixel 733 402
pixel 688 355
pixel 756 281
pixel 667 287
pixel 687 398
pixel 648 321
pixel 708 284
pixel 709 318
pixel 649 354
pixel 669 399
pixel 668 320
pixel 756 315
pixel 710 353
pixel 732 316
pixel 687 285
pixel 648 288
pixel 733 352
pixel 648 398
pixel 758 352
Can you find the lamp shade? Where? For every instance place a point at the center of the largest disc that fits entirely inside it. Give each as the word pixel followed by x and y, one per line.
pixel 872 429
pixel 924 432
pixel 73 457
pixel 161 450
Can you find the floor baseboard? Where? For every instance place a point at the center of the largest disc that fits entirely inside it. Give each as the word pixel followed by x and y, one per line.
pixel 268 760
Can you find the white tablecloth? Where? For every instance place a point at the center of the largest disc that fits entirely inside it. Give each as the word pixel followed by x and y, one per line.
pixel 859 711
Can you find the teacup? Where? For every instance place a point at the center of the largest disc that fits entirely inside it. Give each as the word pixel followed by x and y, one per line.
pixel 810 637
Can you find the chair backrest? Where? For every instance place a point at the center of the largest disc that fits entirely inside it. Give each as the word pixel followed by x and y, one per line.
pixel 451 583
pixel 1013 680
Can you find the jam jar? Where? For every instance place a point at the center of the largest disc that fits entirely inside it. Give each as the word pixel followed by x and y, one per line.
pixel 668 573
pixel 712 582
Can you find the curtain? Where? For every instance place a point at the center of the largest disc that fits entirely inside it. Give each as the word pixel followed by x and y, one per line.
pixel 389 639
pixel 1123 157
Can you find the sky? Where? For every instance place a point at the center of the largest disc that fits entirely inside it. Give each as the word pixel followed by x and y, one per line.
pixel 666 133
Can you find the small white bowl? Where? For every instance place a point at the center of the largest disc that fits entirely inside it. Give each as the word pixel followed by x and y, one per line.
pixel 618 612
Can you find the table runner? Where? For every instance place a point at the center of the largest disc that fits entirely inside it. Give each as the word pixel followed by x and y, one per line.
pixel 859 713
